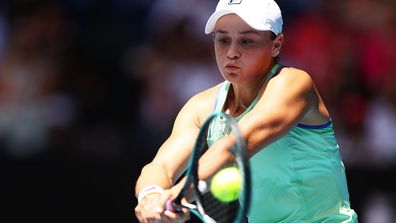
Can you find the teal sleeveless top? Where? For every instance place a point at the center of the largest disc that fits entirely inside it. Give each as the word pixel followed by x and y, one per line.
pixel 298 178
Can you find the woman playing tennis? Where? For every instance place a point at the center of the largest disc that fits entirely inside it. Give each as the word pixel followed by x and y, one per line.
pixel 296 168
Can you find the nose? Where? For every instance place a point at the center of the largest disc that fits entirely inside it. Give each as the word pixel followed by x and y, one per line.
pixel 233 52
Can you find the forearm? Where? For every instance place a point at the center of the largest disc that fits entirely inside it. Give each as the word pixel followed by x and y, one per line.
pixel 257 136
pixel 217 156
pixel 153 174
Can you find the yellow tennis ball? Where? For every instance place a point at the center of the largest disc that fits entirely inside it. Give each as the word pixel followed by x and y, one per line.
pixel 226 184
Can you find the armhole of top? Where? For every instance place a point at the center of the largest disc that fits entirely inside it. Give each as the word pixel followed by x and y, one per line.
pixel 315 126
pixel 221 93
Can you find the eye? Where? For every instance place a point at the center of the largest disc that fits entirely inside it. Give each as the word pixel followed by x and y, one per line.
pixel 246 41
pixel 223 40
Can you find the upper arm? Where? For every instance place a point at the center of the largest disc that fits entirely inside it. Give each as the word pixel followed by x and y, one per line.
pixel 174 153
pixel 286 100
pixel 288 97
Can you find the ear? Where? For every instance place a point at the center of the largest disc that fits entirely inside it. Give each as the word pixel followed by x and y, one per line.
pixel 278 41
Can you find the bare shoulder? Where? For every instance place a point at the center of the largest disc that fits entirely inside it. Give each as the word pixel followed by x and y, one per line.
pixel 204 98
pixel 294 74
pixel 293 78
pixel 291 86
pixel 202 103
pixel 297 85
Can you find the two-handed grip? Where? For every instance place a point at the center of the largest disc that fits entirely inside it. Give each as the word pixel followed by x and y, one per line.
pixel 171 206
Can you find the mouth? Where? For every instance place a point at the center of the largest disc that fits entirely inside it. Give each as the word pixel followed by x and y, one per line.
pixel 231 67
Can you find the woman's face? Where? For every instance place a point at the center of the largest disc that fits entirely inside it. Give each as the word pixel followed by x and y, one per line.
pixel 243 54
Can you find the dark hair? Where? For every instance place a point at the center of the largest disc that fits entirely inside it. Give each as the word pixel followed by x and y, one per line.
pixel 273 35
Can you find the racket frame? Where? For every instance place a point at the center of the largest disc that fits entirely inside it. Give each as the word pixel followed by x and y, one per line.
pixel 192 181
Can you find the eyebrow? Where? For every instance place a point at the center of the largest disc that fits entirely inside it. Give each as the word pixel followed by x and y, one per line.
pixel 249 31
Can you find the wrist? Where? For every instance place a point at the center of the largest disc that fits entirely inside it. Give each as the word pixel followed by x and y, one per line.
pixel 149 189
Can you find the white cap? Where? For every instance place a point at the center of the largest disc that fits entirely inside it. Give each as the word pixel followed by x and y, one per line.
pixel 261 15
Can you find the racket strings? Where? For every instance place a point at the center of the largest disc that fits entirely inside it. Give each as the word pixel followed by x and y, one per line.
pixel 219 211
pixel 206 203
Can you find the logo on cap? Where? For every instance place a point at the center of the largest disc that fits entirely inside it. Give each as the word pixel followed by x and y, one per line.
pixel 233 2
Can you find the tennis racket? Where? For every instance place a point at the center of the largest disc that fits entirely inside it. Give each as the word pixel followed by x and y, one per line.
pixel 203 204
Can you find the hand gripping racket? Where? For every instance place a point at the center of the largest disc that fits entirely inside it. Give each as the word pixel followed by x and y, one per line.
pixel 203 204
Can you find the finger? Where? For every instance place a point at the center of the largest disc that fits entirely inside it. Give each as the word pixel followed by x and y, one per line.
pixel 180 217
pixel 145 214
pixel 165 219
pixel 138 214
pixel 170 215
pixel 150 217
pixel 142 215
pixel 160 208
pixel 150 208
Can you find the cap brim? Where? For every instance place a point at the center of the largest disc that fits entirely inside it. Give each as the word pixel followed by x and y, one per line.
pixel 209 28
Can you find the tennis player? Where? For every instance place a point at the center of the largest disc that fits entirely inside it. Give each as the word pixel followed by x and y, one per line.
pixel 297 172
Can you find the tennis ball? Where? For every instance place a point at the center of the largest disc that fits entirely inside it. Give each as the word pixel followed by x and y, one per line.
pixel 226 184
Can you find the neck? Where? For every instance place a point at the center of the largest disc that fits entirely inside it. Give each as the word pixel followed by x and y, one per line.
pixel 243 95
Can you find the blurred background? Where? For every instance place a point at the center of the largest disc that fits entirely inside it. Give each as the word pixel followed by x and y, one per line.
pixel 90 88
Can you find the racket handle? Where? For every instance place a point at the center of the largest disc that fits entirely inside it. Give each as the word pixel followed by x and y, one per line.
pixel 171 206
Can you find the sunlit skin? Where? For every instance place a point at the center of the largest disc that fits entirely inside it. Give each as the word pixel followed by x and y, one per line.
pixel 243 54
pixel 244 57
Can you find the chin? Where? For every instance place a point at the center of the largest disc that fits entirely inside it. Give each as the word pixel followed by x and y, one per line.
pixel 233 79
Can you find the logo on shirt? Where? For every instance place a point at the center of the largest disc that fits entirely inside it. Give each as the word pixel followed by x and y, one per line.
pixel 233 2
